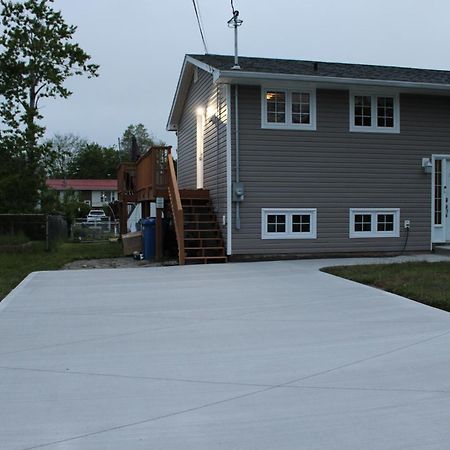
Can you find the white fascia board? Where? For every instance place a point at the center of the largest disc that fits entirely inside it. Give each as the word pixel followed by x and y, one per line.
pixel 241 77
pixel 201 65
pixel 171 126
pixel 182 89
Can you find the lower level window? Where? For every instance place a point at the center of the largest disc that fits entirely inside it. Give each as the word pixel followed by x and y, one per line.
pixel 288 223
pixel 371 222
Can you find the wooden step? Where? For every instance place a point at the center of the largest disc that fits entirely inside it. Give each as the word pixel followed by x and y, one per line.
pixel 197 209
pixel 194 193
pixel 195 202
pixel 193 226
pixel 204 248
pixel 199 217
pixel 205 259
pixel 204 251
pixel 202 234
pixel 205 241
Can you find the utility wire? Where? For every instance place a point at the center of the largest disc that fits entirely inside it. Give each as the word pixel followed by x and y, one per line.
pixel 200 25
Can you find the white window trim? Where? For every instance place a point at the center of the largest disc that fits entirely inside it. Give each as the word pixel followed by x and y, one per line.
pixel 288 125
pixel 374 128
pixel 289 212
pixel 374 212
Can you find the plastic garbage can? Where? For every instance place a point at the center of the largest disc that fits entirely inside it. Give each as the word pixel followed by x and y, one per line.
pixel 149 238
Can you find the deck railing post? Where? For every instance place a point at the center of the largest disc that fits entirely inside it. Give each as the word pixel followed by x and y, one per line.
pixel 177 208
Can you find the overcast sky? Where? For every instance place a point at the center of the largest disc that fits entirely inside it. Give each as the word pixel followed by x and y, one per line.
pixel 140 45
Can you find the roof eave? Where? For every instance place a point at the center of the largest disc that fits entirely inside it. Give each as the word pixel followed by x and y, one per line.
pixel 235 77
pixel 182 89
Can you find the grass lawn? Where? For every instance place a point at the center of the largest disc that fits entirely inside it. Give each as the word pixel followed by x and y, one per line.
pixel 15 267
pixel 425 282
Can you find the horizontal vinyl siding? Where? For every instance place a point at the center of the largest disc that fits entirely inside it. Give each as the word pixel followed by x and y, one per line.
pixel 215 176
pixel 199 93
pixel 334 170
pixel 205 94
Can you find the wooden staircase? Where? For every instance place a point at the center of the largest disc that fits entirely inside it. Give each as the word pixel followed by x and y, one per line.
pixel 203 241
pixel 198 234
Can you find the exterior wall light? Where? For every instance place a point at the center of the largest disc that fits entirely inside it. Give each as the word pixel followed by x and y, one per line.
pixel 427 165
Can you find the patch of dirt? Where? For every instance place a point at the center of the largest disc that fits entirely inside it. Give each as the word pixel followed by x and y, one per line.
pixel 115 263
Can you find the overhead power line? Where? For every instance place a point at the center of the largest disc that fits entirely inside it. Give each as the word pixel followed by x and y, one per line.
pixel 200 24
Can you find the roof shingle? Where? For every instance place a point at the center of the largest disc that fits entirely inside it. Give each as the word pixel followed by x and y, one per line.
pixel 327 69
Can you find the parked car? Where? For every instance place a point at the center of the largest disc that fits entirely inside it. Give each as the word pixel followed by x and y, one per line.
pixel 96 215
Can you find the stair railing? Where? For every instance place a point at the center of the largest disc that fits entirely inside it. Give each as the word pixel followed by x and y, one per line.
pixel 177 208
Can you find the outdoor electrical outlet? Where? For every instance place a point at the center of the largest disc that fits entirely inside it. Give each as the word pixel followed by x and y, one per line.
pixel 224 220
pixel 407 224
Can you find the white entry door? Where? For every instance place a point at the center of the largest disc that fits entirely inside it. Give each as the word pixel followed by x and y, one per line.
pixel 446 199
pixel 441 199
pixel 200 145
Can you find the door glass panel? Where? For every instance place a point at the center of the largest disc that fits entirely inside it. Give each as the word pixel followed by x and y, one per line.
pixel 438 192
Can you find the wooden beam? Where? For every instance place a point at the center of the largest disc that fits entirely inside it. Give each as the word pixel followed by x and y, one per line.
pixel 159 236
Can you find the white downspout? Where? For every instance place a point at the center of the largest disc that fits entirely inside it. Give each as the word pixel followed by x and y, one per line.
pixel 236 114
pixel 229 177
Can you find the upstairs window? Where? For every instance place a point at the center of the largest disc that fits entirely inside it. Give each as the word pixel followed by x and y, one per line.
pixel 276 107
pixel 374 113
pixel 288 108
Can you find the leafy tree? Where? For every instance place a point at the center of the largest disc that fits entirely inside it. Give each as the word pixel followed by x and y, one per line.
pixel 37 55
pixel 70 205
pixel 17 192
pixel 144 140
pixel 73 207
pixel 65 148
pixel 94 161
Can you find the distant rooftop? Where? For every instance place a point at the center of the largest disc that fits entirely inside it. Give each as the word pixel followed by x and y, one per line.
pixel 327 69
pixel 82 185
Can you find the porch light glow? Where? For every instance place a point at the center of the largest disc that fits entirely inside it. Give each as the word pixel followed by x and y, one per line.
pixel 210 111
pixel 200 111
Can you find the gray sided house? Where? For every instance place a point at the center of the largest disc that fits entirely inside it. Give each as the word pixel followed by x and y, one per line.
pixel 313 158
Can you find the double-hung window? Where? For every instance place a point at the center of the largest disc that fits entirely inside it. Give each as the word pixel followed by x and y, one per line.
pixel 374 222
pixel 288 108
pixel 374 113
pixel 288 223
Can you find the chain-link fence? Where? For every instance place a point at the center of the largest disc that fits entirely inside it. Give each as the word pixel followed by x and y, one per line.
pixel 83 230
pixel 37 227
pixel 56 231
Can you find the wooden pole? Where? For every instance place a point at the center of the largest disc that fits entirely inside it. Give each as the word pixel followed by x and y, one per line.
pixel 123 214
pixel 159 236
pixel 145 209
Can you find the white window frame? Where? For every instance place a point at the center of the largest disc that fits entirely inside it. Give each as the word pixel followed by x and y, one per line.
pixel 374 128
pixel 288 125
pixel 289 212
pixel 374 213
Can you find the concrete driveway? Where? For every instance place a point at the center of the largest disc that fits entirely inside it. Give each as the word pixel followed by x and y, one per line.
pixel 248 356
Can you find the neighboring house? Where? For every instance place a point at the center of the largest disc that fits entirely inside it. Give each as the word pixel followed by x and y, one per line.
pixel 92 192
pixel 308 158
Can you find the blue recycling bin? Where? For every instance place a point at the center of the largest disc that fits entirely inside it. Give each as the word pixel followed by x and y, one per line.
pixel 149 238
